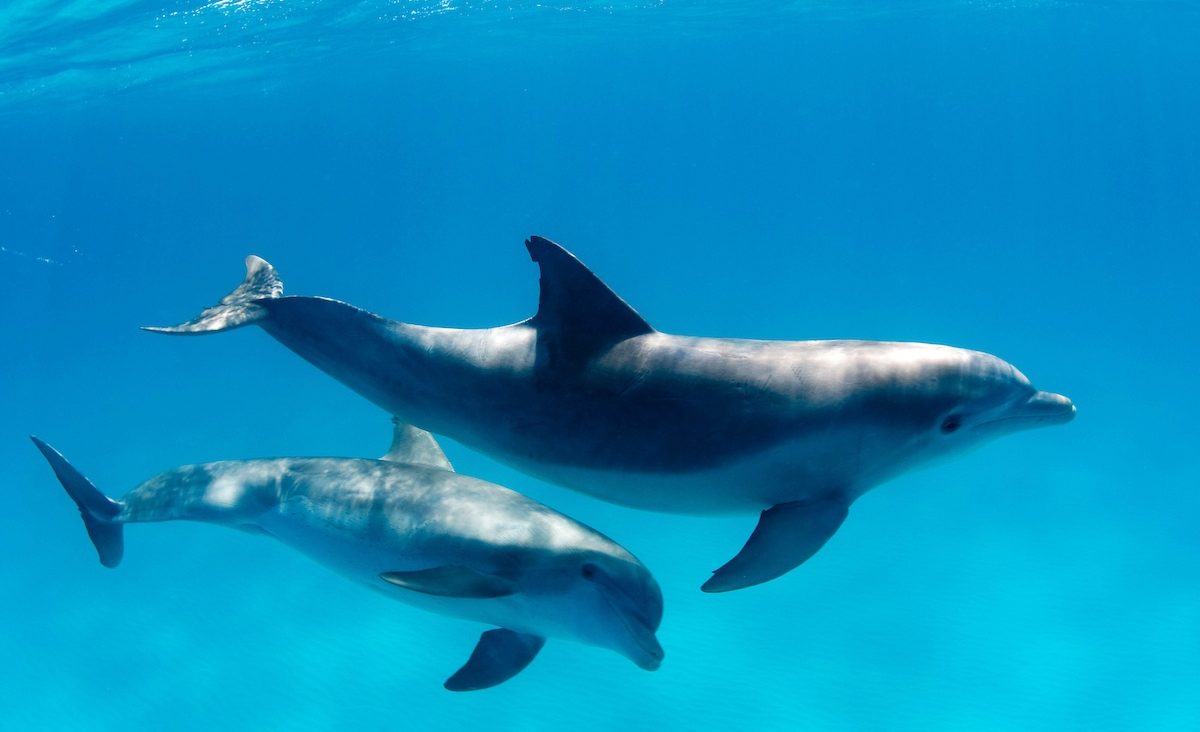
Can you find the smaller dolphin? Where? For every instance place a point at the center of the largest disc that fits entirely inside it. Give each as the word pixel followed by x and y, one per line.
pixel 411 527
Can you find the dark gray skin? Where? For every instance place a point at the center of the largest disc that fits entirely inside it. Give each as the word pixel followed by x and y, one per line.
pixel 587 395
pixel 409 526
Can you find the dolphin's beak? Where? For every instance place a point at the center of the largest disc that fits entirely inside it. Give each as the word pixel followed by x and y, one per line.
pixel 641 645
pixel 1043 408
pixel 648 652
pixel 1048 407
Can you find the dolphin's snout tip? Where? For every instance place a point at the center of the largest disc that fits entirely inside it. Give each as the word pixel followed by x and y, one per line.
pixel 652 660
pixel 1051 407
pixel 648 653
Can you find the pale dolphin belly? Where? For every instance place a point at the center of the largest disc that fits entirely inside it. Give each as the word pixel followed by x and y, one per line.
pixel 715 491
pixel 795 470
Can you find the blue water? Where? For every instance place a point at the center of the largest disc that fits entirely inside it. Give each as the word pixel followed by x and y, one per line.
pixel 1017 177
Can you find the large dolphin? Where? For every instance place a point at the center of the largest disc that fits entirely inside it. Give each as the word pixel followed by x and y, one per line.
pixel 411 527
pixel 586 394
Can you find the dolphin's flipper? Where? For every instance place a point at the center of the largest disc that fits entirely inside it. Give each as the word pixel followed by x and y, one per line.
pixel 97 509
pixel 236 309
pixel 577 313
pixel 414 446
pixel 786 536
pixel 500 655
pixel 452 581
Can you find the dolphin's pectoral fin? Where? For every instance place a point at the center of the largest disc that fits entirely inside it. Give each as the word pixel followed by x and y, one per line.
pixel 500 655
pixel 786 536
pixel 452 581
pixel 414 446
pixel 577 313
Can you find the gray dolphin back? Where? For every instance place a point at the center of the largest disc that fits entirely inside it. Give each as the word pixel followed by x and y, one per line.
pixel 97 509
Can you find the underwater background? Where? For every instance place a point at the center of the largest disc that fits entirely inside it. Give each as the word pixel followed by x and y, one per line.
pixel 1021 178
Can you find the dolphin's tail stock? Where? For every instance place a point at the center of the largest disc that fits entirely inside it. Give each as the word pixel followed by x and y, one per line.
pixel 97 509
pixel 236 309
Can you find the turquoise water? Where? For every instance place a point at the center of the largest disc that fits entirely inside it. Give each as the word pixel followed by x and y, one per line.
pixel 1021 178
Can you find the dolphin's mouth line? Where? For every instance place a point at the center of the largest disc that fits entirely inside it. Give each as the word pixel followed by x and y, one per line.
pixel 1050 418
pixel 642 635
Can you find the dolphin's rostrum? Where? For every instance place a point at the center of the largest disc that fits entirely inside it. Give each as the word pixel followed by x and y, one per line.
pixel 409 526
pixel 588 395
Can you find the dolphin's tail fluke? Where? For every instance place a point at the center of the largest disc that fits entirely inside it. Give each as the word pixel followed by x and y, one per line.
pixel 97 509
pixel 236 309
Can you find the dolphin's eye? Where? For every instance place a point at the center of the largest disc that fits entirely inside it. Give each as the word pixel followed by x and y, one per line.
pixel 588 570
pixel 951 424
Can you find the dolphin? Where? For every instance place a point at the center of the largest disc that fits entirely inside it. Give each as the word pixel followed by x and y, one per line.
pixel 409 526
pixel 586 394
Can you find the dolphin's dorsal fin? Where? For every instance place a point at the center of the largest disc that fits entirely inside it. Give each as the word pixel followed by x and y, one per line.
pixel 577 313
pixel 500 655
pixel 414 446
